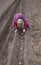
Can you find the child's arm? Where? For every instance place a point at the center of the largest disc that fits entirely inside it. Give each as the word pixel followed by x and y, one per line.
pixel 14 23
pixel 27 25
pixel 14 26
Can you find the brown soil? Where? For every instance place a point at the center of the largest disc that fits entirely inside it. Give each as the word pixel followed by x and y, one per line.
pixel 16 49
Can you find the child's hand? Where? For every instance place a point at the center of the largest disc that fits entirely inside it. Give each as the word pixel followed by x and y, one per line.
pixel 12 29
pixel 30 27
pixel 24 30
pixel 15 30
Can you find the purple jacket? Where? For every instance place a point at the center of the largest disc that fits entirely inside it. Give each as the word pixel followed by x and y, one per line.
pixel 21 16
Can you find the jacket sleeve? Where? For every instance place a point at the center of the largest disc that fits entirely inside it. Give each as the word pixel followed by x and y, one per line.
pixel 14 24
pixel 26 23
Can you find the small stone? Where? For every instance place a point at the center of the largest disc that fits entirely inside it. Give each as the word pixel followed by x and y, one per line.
pixel 21 37
pixel 21 40
pixel 19 63
pixel 21 33
pixel 20 48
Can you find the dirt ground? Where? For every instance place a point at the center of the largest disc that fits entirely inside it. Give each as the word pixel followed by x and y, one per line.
pixel 16 49
pixel 4 4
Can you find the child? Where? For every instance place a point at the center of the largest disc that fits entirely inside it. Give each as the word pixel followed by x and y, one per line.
pixel 20 22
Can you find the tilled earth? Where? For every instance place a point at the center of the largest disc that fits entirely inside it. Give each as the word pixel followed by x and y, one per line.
pixel 16 49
